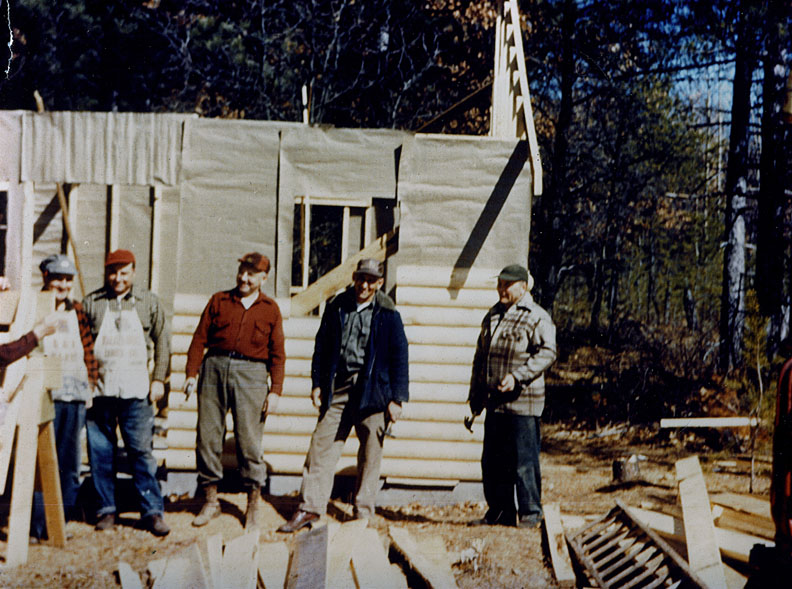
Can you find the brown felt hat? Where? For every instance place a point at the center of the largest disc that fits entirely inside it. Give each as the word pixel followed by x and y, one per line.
pixel 256 260
pixel 119 258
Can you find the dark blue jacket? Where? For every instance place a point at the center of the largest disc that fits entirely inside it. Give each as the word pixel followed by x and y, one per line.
pixel 384 377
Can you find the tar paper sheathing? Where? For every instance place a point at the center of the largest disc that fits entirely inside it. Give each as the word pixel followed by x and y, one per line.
pixel 465 203
pixel 338 164
pixel 102 148
pixel 228 201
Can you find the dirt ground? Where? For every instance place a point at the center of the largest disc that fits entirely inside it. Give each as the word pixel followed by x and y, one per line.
pixel 577 472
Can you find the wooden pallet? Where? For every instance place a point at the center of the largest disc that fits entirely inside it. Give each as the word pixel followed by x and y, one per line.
pixel 619 551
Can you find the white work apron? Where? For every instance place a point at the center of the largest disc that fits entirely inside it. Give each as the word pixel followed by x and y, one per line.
pixel 66 345
pixel 121 351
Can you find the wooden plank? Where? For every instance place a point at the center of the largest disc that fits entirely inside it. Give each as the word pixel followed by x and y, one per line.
pixel 341 543
pixel 129 579
pixel 757 506
pixel 556 542
pixel 273 562
pixel 308 567
pixel 7 431
pixel 49 475
pixel 155 569
pixel 340 276
pixel 709 422
pixel 184 570
pixel 9 299
pixel 371 566
pixel 240 565
pixel 214 559
pixel 732 544
pixel 434 576
pixel 726 517
pixel 24 467
pixel 702 545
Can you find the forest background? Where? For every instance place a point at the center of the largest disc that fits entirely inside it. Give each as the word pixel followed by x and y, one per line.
pixel 661 243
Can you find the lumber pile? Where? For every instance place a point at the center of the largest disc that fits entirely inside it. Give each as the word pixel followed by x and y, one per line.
pixel 724 525
pixel 332 556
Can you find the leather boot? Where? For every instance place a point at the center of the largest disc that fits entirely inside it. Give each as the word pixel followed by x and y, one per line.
pixel 210 508
pixel 253 514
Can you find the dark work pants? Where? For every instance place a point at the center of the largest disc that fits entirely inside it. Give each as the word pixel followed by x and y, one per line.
pixel 509 462
pixel 69 421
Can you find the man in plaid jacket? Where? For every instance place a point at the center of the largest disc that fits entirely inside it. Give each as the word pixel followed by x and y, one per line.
pixel 516 345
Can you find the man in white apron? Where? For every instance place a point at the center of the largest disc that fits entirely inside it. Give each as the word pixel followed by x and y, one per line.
pixel 128 324
pixel 72 344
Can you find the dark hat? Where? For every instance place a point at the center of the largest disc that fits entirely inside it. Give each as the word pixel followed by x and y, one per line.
pixel 513 273
pixel 119 258
pixel 370 267
pixel 57 264
pixel 256 260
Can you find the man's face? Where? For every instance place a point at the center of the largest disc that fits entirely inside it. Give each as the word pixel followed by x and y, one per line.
pixel 249 280
pixel 60 284
pixel 366 286
pixel 509 292
pixel 119 278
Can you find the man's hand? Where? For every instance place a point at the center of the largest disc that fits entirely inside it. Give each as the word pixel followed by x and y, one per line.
pixel 270 404
pixel 189 387
pixel 47 326
pixel 316 397
pixel 157 390
pixel 507 384
pixel 394 411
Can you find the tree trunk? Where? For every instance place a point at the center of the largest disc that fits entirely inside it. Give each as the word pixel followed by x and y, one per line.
pixel 732 320
pixel 549 231
pixel 770 252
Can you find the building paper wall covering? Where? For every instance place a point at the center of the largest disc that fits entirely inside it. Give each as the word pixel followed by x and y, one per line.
pixel 465 203
pixel 228 201
pixel 10 144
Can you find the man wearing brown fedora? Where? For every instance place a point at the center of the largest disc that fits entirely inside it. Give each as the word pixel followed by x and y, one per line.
pixel 129 329
pixel 242 331
pixel 360 379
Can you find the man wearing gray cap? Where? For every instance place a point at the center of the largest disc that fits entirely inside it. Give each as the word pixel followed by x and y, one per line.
pixel 515 347
pixel 72 343
pixel 360 379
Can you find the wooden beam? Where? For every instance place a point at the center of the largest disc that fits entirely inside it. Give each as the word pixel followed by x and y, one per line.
pixel 340 276
pixel 50 485
pixel 339 553
pixel 273 562
pixel 24 465
pixel 240 562
pixel 434 576
pixel 308 567
pixel 745 503
pixel 702 545
pixel 371 566
pixel 557 546
pixel 688 422
pixel 129 579
pixel 214 559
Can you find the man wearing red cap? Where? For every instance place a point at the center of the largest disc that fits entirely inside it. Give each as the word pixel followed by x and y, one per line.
pixel 128 325
pixel 242 331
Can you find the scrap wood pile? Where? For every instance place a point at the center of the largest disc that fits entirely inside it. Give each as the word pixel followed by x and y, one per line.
pixel 348 555
pixel 641 548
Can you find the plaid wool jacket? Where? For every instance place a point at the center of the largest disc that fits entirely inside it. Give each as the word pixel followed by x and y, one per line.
pixel 520 341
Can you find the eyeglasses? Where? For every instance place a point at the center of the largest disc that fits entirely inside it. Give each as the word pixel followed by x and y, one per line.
pixel 366 278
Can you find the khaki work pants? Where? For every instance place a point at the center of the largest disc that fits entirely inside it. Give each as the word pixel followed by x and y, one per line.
pixel 327 442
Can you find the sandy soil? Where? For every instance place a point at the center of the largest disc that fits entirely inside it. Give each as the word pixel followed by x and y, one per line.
pixel 576 474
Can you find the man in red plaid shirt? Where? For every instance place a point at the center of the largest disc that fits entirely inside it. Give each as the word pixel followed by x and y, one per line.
pixel 516 345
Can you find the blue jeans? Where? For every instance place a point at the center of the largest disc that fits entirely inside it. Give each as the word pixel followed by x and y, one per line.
pixel 135 419
pixel 509 462
pixel 69 420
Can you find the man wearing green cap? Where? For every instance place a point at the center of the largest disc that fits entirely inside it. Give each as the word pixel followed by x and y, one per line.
pixel 516 345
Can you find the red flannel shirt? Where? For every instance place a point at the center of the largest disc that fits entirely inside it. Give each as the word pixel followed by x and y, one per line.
pixel 227 326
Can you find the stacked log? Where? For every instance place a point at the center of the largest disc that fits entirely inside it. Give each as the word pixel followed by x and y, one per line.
pixel 441 320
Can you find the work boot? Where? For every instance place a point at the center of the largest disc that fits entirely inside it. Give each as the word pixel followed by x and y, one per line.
pixel 253 514
pixel 210 508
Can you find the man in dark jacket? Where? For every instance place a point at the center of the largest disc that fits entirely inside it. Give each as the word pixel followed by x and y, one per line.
pixel 360 378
